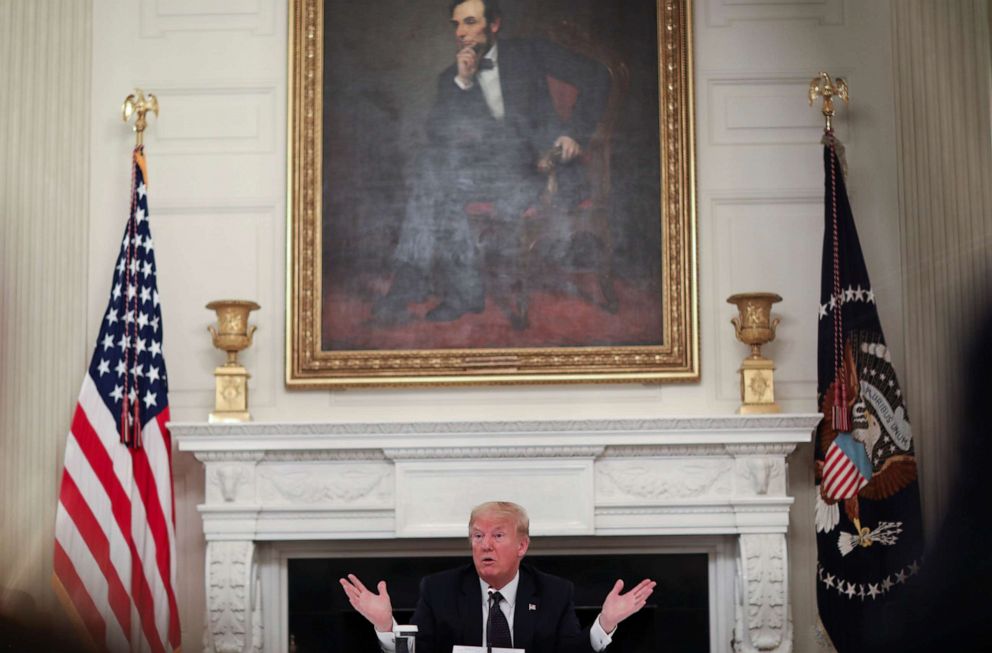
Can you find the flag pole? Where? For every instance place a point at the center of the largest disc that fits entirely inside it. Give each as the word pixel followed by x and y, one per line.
pixel 137 104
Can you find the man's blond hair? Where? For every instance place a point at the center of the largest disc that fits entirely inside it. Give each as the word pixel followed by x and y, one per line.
pixel 506 509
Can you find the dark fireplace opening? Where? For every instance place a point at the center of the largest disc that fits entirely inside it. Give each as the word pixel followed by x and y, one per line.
pixel 675 620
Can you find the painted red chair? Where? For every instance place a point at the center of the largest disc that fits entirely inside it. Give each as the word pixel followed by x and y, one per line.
pixel 586 220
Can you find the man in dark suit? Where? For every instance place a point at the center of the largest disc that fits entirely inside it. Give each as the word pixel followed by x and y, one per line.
pixel 496 600
pixel 492 128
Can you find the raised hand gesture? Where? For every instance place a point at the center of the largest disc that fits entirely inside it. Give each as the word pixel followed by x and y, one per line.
pixel 618 607
pixel 377 608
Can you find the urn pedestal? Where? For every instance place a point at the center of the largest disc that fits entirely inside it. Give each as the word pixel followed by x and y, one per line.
pixel 755 326
pixel 231 335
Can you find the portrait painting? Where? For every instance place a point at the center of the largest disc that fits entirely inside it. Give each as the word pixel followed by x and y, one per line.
pixel 493 191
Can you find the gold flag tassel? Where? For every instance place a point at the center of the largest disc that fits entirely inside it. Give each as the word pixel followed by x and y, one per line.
pixel 138 105
pixel 822 86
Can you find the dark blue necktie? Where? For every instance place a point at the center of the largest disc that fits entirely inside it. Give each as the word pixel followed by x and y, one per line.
pixel 498 630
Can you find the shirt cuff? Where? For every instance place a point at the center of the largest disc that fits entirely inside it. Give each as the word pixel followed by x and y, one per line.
pixel 462 85
pixel 598 637
pixel 387 641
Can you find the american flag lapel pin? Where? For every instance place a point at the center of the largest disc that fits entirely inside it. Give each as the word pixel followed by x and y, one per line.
pixel 531 606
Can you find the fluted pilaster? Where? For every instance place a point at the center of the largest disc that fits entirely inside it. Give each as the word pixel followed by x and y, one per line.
pixel 44 136
pixel 942 87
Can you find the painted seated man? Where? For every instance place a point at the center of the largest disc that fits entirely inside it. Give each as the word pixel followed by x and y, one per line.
pixel 492 123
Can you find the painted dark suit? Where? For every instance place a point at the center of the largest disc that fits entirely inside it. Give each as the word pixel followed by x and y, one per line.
pixel 471 157
pixel 449 612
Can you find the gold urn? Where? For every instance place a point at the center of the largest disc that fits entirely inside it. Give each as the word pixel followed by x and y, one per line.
pixel 231 335
pixel 755 326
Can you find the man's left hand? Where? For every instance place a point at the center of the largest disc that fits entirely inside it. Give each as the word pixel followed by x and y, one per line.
pixel 618 607
pixel 569 148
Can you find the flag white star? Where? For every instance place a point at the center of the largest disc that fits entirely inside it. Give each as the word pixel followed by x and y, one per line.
pixel 122 343
pixel 829 580
pixel 873 590
pixel 117 289
pixel 155 298
pixel 850 590
pixel 120 266
pixel 128 317
pixel 118 392
pixel 108 341
pixel 131 394
pixel 149 399
pixel 823 310
pixel 140 215
pixel 152 373
pixel 146 294
pixel 139 372
pixel 887 584
pixel 155 348
pixel 155 323
pixel 134 264
pixel 111 317
pixel 833 301
pixel 142 345
pixel 132 292
pixel 870 296
pixel 148 245
pixel 121 367
pixel 141 190
pixel 859 294
pixel 849 295
pixel 146 268
pixel 914 568
pixel 901 576
pixel 103 367
pixel 142 320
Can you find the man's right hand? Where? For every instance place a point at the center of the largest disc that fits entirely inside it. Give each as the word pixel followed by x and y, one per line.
pixel 468 64
pixel 377 608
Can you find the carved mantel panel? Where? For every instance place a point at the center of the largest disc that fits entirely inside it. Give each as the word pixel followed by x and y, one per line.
pixel 271 482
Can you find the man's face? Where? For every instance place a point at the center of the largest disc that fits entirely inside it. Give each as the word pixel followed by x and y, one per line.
pixel 497 548
pixel 471 29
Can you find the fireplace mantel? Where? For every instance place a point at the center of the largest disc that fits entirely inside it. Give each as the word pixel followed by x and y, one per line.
pixel 713 476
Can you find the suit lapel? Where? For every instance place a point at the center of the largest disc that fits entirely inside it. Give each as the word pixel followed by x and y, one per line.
pixel 470 608
pixel 524 618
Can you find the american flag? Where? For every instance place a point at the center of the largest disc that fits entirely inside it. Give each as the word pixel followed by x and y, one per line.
pixel 115 543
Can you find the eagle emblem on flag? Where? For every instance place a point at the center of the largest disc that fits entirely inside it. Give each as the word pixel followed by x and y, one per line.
pixel 875 459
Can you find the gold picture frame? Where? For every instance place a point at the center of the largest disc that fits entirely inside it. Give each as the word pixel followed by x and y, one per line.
pixel 342 210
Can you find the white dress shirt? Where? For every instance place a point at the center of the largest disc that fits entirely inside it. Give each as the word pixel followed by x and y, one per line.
pixel 489 83
pixel 598 638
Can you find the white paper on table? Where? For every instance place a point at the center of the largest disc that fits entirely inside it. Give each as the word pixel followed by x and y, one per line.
pixel 483 649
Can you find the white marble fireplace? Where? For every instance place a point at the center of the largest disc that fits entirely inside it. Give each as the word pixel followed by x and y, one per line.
pixel 708 484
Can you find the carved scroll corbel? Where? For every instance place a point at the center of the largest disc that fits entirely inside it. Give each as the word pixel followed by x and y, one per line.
pixel 763 623
pixel 234 610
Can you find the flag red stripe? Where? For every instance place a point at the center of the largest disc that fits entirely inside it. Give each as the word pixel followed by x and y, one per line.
pixel 102 465
pixel 175 632
pixel 81 600
pixel 143 601
pixel 844 476
pixel 96 540
pixel 145 483
pixel 843 479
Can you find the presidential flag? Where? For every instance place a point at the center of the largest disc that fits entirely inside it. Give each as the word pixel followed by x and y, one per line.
pixel 115 543
pixel 868 523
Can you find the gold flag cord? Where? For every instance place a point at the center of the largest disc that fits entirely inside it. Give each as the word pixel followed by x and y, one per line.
pixel 138 104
